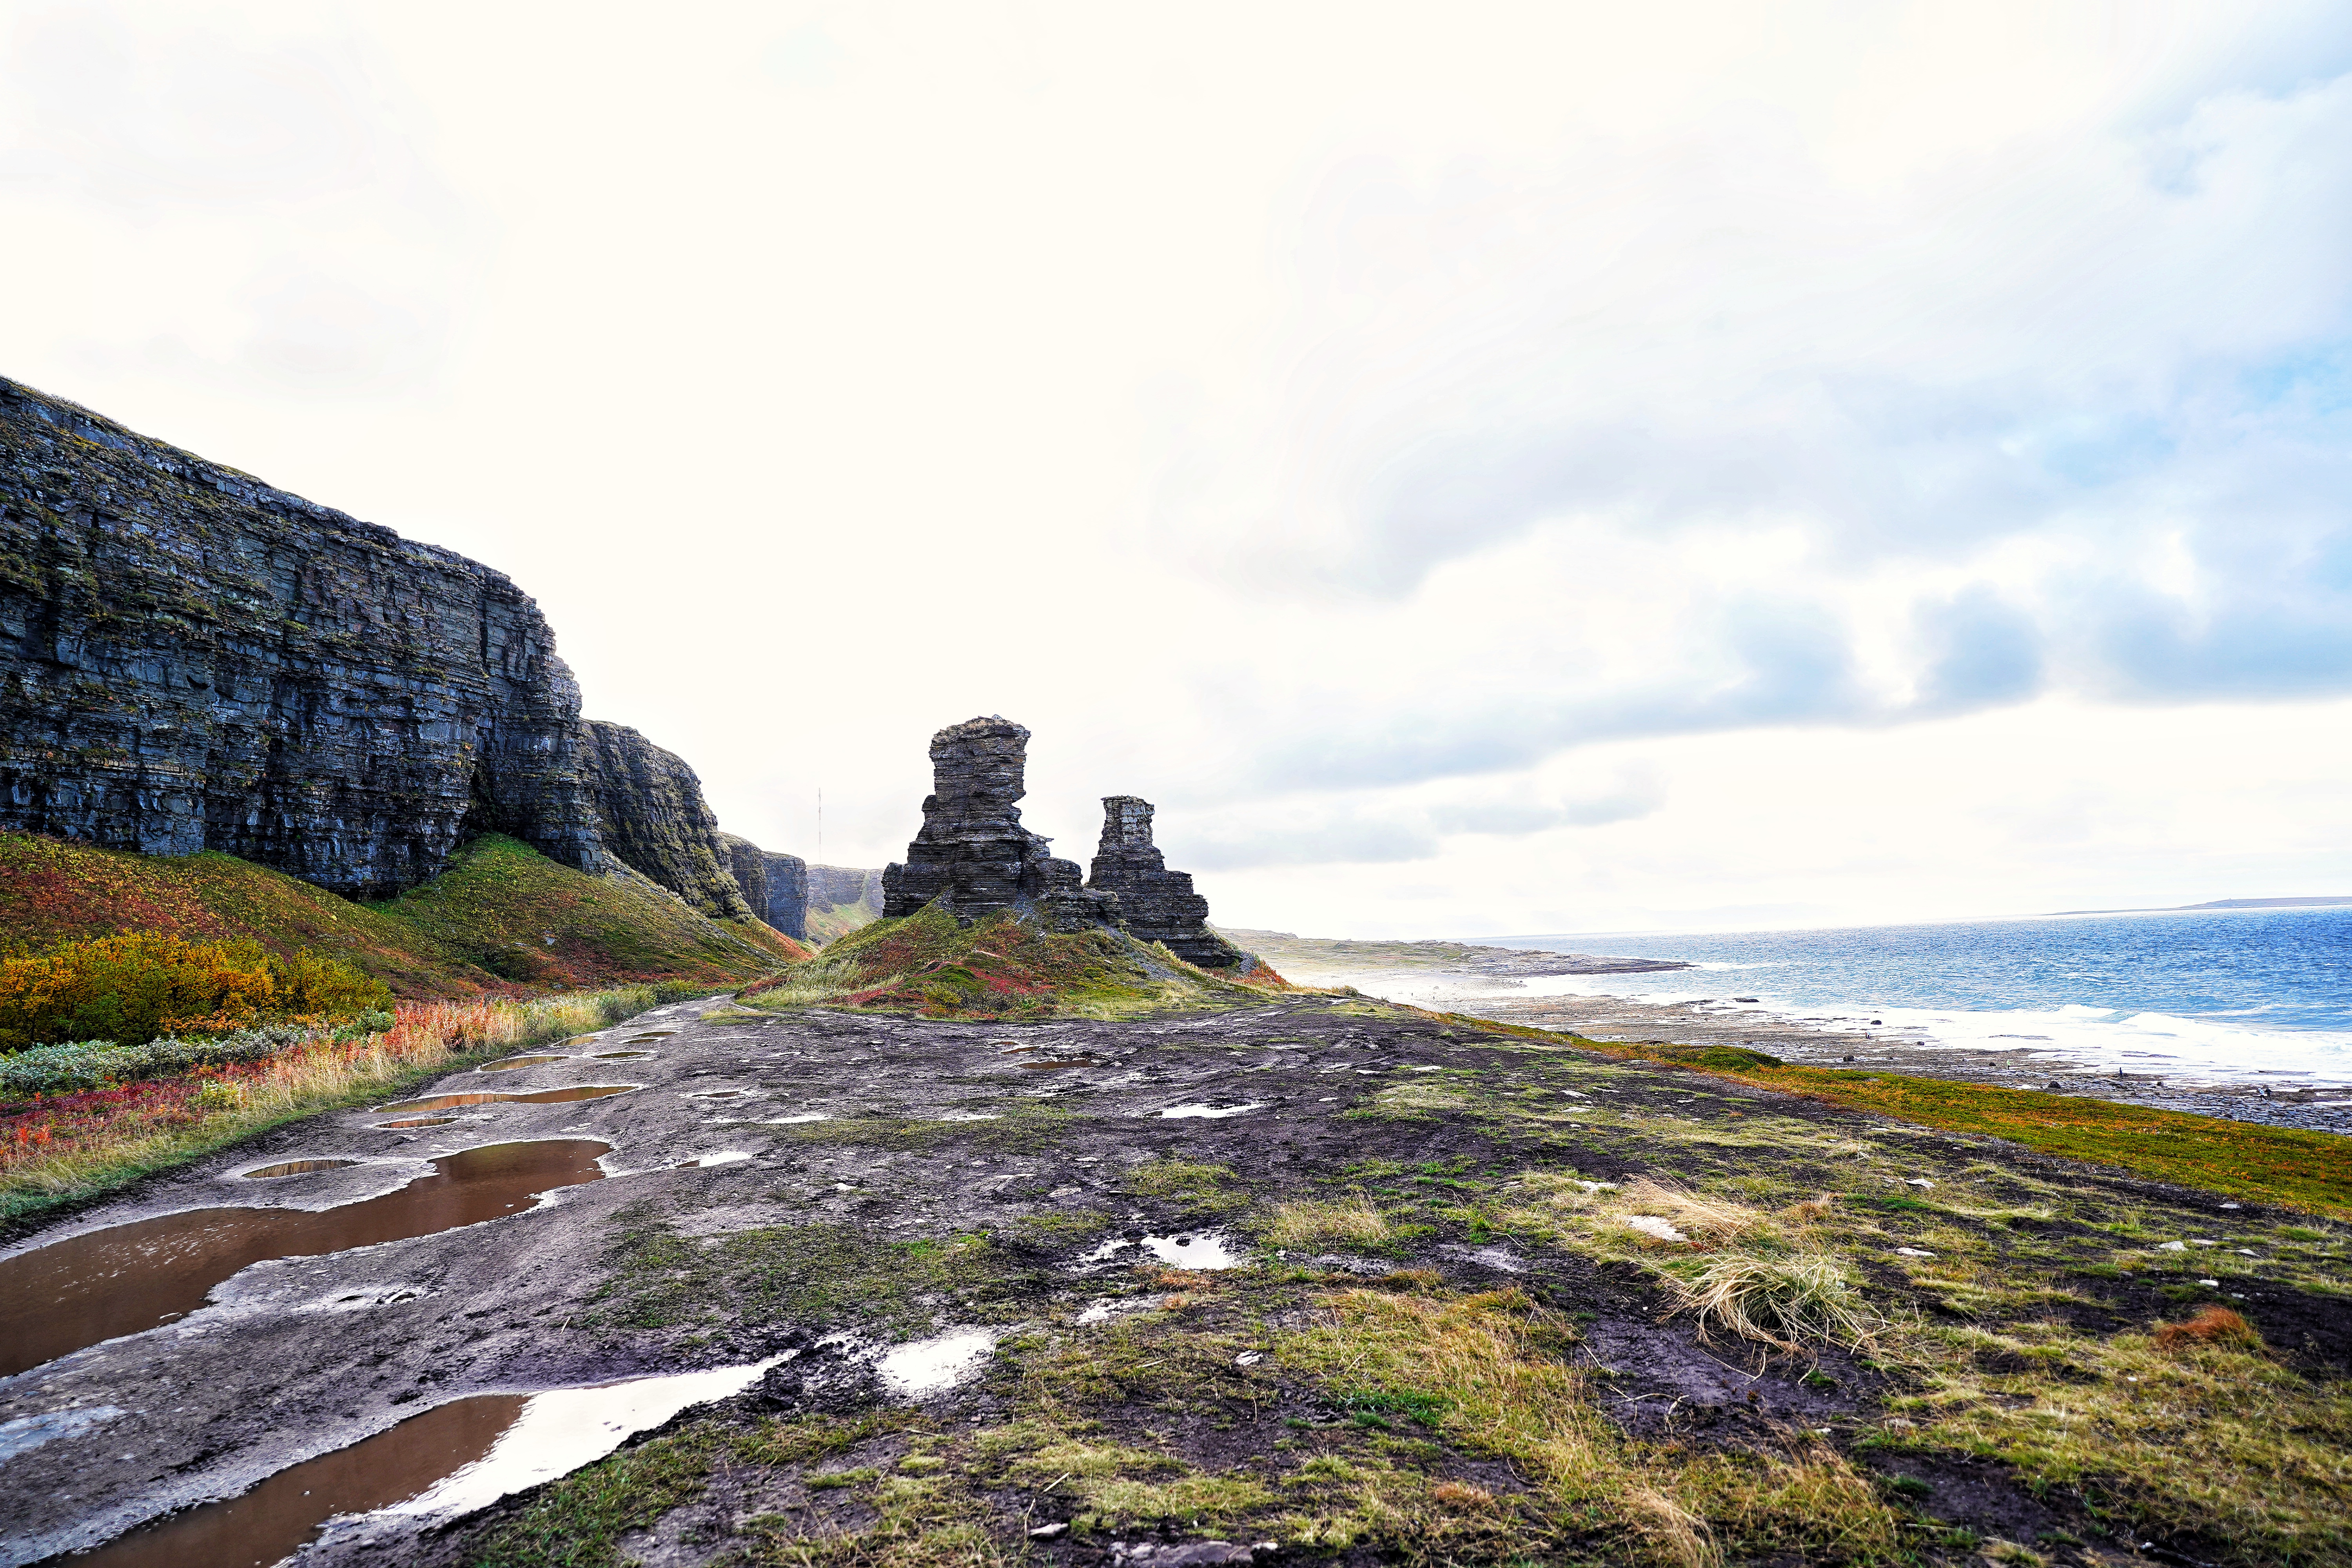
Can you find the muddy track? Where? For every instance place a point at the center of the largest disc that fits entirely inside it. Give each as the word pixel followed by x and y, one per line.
pixel 861 1133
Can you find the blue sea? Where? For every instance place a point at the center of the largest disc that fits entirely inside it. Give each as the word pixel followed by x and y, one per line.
pixel 2205 994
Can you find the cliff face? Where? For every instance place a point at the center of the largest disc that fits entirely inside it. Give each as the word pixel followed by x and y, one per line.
pixel 191 659
pixel 972 854
pixel 787 899
pixel 650 813
pixel 1155 904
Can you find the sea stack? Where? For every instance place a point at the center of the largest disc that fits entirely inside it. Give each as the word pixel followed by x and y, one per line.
pixel 973 857
pixel 1154 903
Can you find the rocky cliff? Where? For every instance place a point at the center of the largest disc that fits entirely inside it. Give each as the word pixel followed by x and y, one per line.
pixel 1154 903
pixel 830 886
pixel 650 813
pixel 972 856
pixel 191 659
pixel 787 897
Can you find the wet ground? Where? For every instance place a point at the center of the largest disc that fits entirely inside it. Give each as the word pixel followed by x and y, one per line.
pixel 761 1186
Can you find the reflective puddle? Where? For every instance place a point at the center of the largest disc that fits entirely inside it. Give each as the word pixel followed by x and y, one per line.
pixel 1211 1112
pixel 56 1298
pixel 450 1460
pixel 619 1056
pixel 510 1063
pixel 279 1514
pixel 297 1168
pixel 928 1365
pixel 417 1122
pixel 485 1097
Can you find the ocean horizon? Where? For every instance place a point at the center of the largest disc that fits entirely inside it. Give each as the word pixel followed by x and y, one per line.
pixel 2245 992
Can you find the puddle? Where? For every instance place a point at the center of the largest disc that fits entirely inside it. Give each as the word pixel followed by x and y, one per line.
pixel 619 1056
pixel 971 1116
pixel 928 1365
pixel 655 1035
pixel 510 1063
pixel 451 1461
pixel 1650 1225
pixel 485 1097
pixel 724 1157
pixel 299 1168
pixel 1211 1112
pixel 1195 1250
pixel 56 1298
pixel 797 1119
pixel 416 1121
pixel 720 1094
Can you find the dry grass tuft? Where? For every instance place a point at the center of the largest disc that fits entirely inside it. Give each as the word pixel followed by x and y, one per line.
pixel 1305 1222
pixel 1776 1301
pixel 1703 1216
pixel 2211 1326
pixel 1410 1280
pixel 1461 1494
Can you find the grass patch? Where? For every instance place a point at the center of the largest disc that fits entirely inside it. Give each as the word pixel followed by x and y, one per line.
pixel 839 1274
pixel 1308 1222
pixel 1190 1186
pixel 2280 1164
pixel 71 1148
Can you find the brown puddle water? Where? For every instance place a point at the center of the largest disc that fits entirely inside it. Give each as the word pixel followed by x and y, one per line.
pixel 488 1097
pixel 56 1298
pixel 417 1122
pixel 510 1063
pixel 279 1514
pixel 620 1056
pixel 297 1168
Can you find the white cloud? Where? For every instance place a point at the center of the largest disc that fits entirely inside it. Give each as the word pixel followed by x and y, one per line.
pixel 1504 455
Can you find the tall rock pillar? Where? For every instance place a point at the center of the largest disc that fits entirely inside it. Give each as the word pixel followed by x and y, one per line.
pixel 972 855
pixel 1155 903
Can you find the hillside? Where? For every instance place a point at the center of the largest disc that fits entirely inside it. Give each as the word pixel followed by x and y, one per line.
pixel 500 915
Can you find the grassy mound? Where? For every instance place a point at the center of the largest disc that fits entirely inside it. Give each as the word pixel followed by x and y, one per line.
pixel 1003 967
pixel 502 915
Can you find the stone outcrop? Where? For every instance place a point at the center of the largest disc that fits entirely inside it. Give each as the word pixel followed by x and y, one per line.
pixel 787 895
pixel 972 857
pixel 191 659
pixel 650 813
pixel 1154 903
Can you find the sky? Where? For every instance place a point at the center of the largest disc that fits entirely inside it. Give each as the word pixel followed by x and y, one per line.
pixel 1480 469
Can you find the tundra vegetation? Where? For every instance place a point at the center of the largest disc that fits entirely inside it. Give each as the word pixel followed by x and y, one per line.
pixel 1504 1297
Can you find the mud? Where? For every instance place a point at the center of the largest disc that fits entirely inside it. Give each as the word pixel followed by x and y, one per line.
pixel 58 1299
pixel 872 1132
pixel 512 1064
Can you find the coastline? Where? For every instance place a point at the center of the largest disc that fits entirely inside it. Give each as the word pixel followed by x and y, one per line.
pixel 1477 982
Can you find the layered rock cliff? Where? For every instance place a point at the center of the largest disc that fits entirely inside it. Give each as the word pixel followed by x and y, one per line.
pixel 650 813
pixel 1154 903
pixel 972 856
pixel 787 893
pixel 191 659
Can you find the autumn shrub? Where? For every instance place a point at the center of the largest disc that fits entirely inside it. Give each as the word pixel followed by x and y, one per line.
pixel 133 988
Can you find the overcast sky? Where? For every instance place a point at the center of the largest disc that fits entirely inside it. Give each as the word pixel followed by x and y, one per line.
pixel 1480 469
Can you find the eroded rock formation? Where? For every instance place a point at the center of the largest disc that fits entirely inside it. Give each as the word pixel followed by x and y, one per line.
pixel 650 813
pixel 972 855
pixel 191 659
pixel 1154 903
